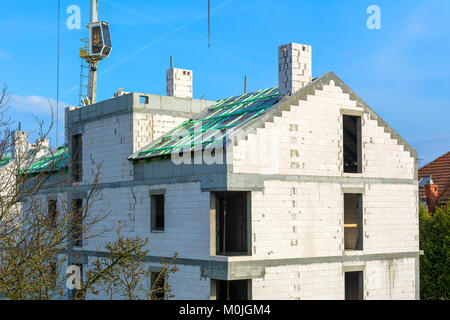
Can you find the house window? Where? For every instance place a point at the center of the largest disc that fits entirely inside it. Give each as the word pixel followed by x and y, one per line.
pixel 52 213
pixel 353 239
pixel 77 223
pixel 352 144
pixel 158 286
pixel 157 212
pixel 77 164
pixel 354 285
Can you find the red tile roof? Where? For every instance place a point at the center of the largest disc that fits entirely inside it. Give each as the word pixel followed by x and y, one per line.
pixel 439 170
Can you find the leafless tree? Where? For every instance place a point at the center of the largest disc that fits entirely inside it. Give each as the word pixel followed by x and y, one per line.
pixel 37 235
pixel 125 273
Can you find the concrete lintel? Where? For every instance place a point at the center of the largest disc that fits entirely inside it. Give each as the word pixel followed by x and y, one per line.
pixel 251 269
pixel 351 112
pixel 230 182
pixel 256 268
pixel 257 180
pixel 352 190
pixel 154 192
pixel 353 268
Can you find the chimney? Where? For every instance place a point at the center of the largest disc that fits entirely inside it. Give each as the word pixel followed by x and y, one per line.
pixel 19 143
pixel 431 195
pixel 40 148
pixel 294 67
pixel 179 82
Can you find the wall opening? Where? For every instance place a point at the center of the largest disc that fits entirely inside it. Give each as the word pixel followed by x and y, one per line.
pixel 352 144
pixel 143 99
pixel 76 235
pixel 354 285
pixel 53 272
pixel 232 290
pixel 52 213
pixel 77 164
pixel 158 286
pixel 353 239
pixel 232 223
pixel 157 212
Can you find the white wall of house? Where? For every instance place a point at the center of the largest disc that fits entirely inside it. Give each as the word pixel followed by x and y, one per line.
pixel 186 219
pixel 110 141
pixel 382 280
pixel 306 219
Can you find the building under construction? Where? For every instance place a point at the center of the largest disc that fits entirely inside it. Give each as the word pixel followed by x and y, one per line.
pixel 300 191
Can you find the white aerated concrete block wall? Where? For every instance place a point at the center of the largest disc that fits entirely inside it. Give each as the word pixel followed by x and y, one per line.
pixel 295 282
pixel 151 126
pixel 390 279
pixel 294 67
pixel 108 142
pixel 179 83
pixel 188 284
pixel 186 229
pixel 111 141
pixel 186 219
pixel 306 219
pixel 382 280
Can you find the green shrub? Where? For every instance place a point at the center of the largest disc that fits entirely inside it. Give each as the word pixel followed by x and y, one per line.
pixel 435 262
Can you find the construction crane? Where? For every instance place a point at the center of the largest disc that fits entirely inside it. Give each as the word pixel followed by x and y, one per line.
pixel 94 49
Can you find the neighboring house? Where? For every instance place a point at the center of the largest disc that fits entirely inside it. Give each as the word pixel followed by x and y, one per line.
pixel 295 192
pixel 19 156
pixel 434 182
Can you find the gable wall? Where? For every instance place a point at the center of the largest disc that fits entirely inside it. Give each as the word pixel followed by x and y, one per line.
pixel 308 140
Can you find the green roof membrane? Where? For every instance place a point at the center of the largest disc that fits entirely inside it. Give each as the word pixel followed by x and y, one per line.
pixel 5 159
pixel 50 163
pixel 208 129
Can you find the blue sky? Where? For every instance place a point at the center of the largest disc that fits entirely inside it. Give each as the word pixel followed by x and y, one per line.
pixel 402 71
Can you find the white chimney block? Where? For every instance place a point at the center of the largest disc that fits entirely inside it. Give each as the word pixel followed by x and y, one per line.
pixel 40 148
pixel 19 144
pixel 294 67
pixel 179 83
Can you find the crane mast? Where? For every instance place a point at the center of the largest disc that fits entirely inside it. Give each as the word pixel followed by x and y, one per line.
pixel 92 82
pixel 94 49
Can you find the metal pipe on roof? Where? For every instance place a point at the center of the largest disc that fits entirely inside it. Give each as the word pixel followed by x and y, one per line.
pixel 245 84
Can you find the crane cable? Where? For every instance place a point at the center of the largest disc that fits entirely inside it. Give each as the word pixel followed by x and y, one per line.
pixel 209 24
pixel 57 74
